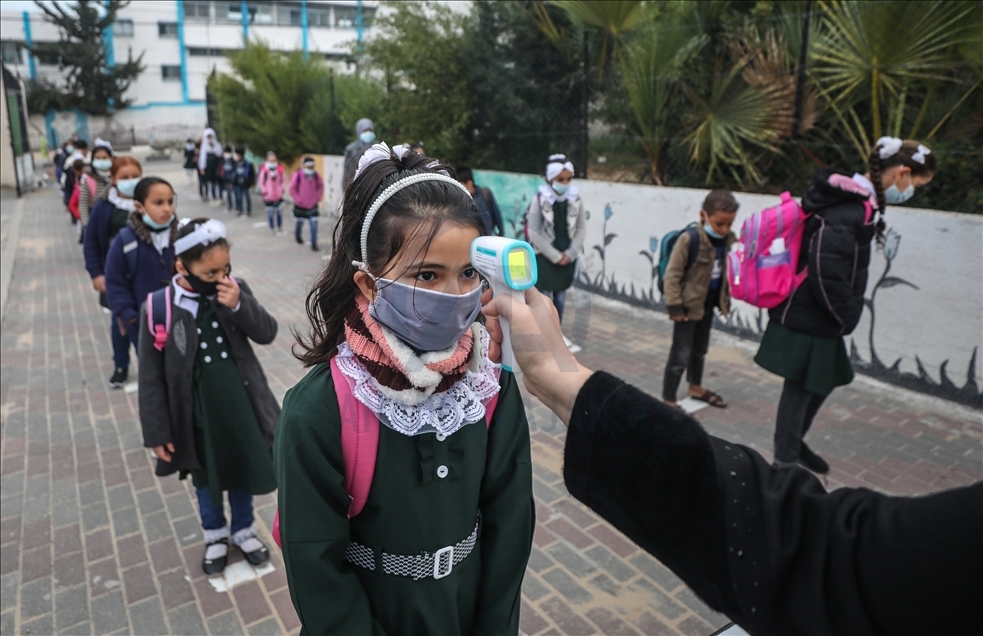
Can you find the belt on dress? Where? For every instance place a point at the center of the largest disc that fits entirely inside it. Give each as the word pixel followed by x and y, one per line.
pixel 418 566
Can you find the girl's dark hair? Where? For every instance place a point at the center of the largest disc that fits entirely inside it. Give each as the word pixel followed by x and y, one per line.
pixel 903 157
pixel 196 252
pixel 144 185
pixel 108 150
pixel 333 295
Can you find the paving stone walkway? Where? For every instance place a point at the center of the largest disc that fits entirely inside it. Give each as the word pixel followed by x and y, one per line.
pixel 93 543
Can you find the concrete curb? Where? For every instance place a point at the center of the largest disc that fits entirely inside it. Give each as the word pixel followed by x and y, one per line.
pixel 9 257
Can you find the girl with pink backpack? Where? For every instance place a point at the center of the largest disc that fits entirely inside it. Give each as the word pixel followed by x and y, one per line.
pixel 403 457
pixel 803 342
pixel 272 185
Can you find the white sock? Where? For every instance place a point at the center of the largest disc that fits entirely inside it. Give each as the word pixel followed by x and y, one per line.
pixel 246 539
pixel 217 550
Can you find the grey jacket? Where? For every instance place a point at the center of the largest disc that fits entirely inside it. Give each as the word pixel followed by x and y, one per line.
pixel 166 391
pixel 540 223
pixel 353 152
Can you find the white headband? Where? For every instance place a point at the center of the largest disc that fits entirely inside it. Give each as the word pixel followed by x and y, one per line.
pixel 919 156
pixel 204 234
pixel 557 164
pixel 381 152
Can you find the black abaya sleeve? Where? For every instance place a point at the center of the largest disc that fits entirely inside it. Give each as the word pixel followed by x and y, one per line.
pixel 771 548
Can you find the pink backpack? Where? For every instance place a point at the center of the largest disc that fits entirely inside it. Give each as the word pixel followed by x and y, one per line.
pixel 359 445
pixel 761 266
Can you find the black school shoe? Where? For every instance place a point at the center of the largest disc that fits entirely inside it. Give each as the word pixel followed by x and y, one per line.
pixel 211 567
pixel 119 377
pixel 257 557
pixel 812 461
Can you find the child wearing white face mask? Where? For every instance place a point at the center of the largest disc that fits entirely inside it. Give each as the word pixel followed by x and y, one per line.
pixel 427 529
pixel 110 216
pixel 93 186
pixel 556 226
pixel 142 254
pixel 271 187
pixel 695 285
pixel 803 342
pixel 306 189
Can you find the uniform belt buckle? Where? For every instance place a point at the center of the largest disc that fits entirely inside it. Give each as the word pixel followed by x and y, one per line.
pixel 439 556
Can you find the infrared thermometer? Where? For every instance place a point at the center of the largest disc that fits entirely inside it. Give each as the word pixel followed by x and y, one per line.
pixel 509 266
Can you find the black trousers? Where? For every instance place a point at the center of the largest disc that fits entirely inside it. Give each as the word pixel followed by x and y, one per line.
pixel 796 410
pixel 690 342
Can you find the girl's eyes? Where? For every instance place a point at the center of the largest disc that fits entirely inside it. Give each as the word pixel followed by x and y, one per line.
pixel 429 277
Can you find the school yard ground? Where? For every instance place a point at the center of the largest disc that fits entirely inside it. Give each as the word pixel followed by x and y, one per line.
pixel 93 543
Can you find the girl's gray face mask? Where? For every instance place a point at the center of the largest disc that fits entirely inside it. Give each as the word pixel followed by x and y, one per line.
pixel 426 320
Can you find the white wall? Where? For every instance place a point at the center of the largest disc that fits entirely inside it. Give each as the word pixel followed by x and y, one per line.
pixel 940 252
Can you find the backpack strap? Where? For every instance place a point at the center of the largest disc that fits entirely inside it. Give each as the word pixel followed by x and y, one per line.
pixel 359 441
pixel 159 316
pixel 130 245
pixel 91 184
pixel 694 245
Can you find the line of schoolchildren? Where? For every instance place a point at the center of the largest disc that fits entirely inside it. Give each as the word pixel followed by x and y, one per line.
pixel 438 539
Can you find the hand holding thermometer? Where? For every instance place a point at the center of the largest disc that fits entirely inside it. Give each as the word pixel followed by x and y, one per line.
pixel 510 268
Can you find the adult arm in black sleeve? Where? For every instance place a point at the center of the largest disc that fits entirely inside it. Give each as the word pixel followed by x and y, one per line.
pixel 770 547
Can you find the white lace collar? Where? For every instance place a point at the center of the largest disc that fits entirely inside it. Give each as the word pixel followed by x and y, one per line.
pixel 444 413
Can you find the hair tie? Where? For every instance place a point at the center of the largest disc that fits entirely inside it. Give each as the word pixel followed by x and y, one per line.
pixel 888 147
pixel 919 156
pixel 204 234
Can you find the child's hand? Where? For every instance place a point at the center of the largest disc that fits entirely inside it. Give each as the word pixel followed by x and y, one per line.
pixel 228 292
pixel 679 318
pixel 164 452
pixel 99 284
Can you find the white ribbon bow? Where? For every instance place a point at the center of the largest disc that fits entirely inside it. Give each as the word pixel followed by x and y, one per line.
pixel 888 146
pixel 382 152
pixel 203 234
pixel 102 142
pixel 919 156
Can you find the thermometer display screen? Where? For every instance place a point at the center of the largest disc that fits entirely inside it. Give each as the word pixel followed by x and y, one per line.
pixel 519 269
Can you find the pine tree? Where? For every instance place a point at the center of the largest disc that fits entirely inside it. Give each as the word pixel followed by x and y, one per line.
pixel 90 83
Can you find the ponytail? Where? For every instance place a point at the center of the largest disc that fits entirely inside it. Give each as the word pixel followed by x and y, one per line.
pixel 874 168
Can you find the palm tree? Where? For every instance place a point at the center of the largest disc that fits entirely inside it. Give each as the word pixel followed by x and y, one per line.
pixel 878 64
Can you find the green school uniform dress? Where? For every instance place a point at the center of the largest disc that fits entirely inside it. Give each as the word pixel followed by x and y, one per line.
pixel 553 277
pixel 230 446
pixel 428 491
pixel 820 364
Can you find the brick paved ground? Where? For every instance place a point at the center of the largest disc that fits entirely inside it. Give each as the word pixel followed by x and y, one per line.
pixel 92 542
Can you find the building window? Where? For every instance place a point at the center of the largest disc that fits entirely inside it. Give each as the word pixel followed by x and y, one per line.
pixel 318 17
pixel 201 52
pixel 123 28
pixel 260 13
pixel 198 10
pixel 11 52
pixel 345 17
pixel 167 29
pixel 235 12
pixel 170 73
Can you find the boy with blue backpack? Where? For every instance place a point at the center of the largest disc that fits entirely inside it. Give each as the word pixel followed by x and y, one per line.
pixel 694 282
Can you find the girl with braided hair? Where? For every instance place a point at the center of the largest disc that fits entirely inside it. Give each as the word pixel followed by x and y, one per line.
pixel 803 342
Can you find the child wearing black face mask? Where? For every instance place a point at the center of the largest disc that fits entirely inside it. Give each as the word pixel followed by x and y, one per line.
pixel 223 434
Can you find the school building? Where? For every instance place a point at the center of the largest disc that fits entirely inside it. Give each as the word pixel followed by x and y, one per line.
pixel 183 42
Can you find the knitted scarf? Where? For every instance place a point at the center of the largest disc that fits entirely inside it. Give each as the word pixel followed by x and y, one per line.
pixel 395 366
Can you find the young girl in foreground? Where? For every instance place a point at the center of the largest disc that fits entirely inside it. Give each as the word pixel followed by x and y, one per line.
pixel 393 317
pixel 205 406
